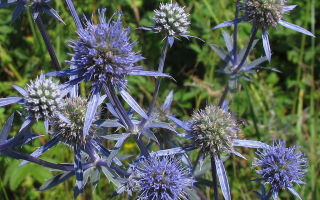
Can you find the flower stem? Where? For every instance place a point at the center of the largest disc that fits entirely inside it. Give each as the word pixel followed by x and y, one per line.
pixel 30 158
pixel 74 14
pixel 46 39
pixel 160 70
pixel 214 178
pixel 235 35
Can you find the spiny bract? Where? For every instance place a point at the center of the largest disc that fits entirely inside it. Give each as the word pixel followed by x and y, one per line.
pixel 213 130
pixel 264 13
pixel 43 99
pixel 161 178
pixel 171 19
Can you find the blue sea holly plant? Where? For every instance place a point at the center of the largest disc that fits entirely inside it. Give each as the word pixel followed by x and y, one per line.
pixel 280 167
pixel 264 14
pixel 103 55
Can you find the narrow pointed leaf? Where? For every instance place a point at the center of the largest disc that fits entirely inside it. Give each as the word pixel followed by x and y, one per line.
pixel 294 192
pixel 161 125
pixel 238 154
pixel 289 8
pixel 228 41
pixel 108 123
pixel 56 180
pixel 42 149
pixel 112 110
pixel 6 128
pixel 223 179
pixel 54 14
pixel 91 110
pixel 78 168
pixel 266 44
pixel 249 144
pixel 170 40
pixel 149 73
pixel 132 103
pixel 117 148
pixel 275 195
pixel 17 12
pixel 150 135
pixel 173 151
pixel 112 177
pixel 295 27
pixel 26 124
pixel 10 100
pixel 179 123
pixel 221 53
pixel 20 90
pixel 63 118
pixel 167 103
pixel 229 23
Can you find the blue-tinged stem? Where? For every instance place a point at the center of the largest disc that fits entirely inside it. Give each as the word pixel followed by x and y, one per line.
pixel 74 14
pixel 43 163
pixel 235 35
pixel 46 39
pixel 214 178
pixel 160 70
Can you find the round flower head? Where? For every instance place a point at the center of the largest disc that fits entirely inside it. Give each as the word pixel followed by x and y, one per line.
pixel 103 52
pixel 43 98
pixel 75 111
pixel 213 130
pixel 171 19
pixel 264 13
pixel 281 166
pixel 161 178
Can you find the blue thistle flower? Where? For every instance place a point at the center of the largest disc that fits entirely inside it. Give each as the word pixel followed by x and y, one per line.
pixel 281 166
pixel 36 7
pixel 264 14
pixel 161 178
pixel 104 55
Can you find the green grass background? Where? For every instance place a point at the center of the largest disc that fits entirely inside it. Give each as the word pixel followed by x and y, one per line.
pixel 271 106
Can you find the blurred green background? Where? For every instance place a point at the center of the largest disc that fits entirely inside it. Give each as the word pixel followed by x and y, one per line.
pixel 271 106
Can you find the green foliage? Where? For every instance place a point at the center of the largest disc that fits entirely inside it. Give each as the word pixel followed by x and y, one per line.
pixel 271 106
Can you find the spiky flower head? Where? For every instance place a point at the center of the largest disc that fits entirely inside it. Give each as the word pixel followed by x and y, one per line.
pixel 103 51
pixel 213 130
pixel 171 19
pixel 264 13
pixel 281 166
pixel 75 111
pixel 43 98
pixel 161 178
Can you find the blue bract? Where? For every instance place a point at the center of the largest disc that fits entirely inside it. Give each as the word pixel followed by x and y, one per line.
pixel 161 178
pixel 281 166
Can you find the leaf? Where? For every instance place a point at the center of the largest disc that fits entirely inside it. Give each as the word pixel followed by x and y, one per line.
pixel 149 73
pixel 117 148
pixel 266 44
pixel 173 151
pixel 20 90
pixel 132 103
pixel 167 103
pixel 91 110
pixel 56 180
pixel 53 13
pixel 17 12
pixel 112 177
pixel 10 100
pixel 161 125
pixel 229 23
pixel 249 144
pixel 221 53
pixel 222 176
pixel 42 149
pixel 228 41
pixel 6 128
pixel 109 123
pixel 179 123
pixel 150 135
pixel 294 192
pixel 78 169
pixel 295 27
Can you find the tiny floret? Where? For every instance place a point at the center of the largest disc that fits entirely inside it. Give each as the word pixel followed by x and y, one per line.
pixel 281 166
pixel 75 111
pixel 161 178
pixel 264 13
pixel 171 19
pixel 43 99
pixel 103 53
pixel 213 130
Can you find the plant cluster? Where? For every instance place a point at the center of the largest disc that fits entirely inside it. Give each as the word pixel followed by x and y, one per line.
pixel 103 56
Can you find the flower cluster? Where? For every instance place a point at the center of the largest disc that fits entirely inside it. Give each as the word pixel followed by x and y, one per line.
pixel 213 130
pixel 281 166
pixel 43 98
pixel 161 178
pixel 171 19
pixel 264 13
pixel 103 52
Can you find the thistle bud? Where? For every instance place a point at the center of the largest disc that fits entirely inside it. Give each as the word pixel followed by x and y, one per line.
pixel 171 19
pixel 43 99
pixel 213 130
